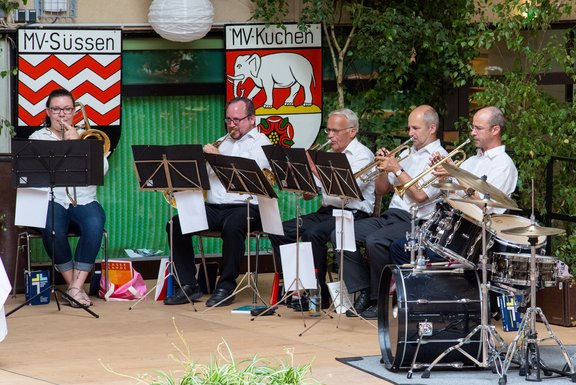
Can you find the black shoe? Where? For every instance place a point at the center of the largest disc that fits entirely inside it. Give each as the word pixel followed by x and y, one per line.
pixel 179 298
pixel 218 296
pixel 370 313
pixel 361 303
pixel 301 305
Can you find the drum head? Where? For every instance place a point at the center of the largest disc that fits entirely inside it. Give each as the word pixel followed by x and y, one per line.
pixel 471 211
pixel 501 222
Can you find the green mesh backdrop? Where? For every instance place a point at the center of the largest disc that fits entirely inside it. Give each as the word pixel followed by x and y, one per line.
pixel 135 218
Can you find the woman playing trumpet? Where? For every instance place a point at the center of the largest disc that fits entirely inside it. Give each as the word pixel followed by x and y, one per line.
pixel 81 214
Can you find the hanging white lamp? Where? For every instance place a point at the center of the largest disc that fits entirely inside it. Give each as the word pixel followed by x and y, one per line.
pixel 181 20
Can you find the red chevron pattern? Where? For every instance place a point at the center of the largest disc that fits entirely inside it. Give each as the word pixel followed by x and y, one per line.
pixel 94 78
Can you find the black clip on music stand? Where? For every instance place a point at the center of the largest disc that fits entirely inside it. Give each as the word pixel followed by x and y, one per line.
pixel 242 176
pixel 338 180
pixel 292 173
pixel 169 169
pixel 46 163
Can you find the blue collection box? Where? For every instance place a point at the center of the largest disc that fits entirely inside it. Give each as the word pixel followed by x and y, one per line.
pixel 511 317
pixel 36 282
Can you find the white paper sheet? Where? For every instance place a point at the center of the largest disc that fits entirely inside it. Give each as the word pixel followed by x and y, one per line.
pixel 191 211
pixel 270 215
pixel 31 207
pixel 5 289
pixel 349 238
pixel 342 302
pixel 306 276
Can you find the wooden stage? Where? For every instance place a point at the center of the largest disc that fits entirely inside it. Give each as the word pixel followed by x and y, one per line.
pixel 47 346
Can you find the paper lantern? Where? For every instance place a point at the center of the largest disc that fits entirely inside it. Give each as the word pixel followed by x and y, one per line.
pixel 181 20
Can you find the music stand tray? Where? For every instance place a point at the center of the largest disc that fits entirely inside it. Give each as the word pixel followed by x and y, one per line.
pixel 168 169
pixel 46 163
pixel 291 169
pixel 242 176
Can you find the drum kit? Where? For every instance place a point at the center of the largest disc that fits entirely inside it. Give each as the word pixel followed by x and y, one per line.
pixel 438 314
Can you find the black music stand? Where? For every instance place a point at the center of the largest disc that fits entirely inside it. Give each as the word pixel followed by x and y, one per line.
pixel 46 163
pixel 169 169
pixel 338 180
pixel 292 173
pixel 242 176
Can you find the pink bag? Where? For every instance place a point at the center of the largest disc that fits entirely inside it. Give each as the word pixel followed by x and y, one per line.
pixel 132 290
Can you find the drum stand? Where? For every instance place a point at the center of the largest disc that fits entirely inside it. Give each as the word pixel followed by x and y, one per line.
pixel 525 344
pixel 490 338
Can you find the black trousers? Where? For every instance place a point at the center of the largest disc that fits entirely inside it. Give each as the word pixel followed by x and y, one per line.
pixel 375 235
pixel 315 228
pixel 230 219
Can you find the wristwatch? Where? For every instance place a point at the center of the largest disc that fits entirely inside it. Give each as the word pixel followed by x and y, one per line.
pixel 399 172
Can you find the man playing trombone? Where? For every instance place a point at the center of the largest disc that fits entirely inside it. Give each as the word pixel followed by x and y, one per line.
pixel 377 233
pixel 225 212
pixel 342 128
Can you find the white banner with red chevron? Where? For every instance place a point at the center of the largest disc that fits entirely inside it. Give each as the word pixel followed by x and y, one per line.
pixel 88 63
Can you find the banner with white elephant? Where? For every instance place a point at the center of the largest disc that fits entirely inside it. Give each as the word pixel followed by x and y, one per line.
pixel 281 71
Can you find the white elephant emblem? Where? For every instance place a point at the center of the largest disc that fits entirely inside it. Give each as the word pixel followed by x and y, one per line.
pixel 278 70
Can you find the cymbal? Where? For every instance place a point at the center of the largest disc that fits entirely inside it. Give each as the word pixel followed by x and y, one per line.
pixel 533 231
pixel 448 186
pixel 481 186
pixel 486 202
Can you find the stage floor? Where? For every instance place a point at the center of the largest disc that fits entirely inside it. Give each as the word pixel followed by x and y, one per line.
pixel 47 346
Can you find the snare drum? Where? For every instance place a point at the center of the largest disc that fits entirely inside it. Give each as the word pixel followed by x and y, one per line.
pixel 506 243
pixel 457 232
pixel 514 269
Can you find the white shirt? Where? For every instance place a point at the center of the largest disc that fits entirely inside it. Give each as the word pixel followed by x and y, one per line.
pixel 249 146
pixel 358 156
pixel 499 169
pixel 413 165
pixel 84 194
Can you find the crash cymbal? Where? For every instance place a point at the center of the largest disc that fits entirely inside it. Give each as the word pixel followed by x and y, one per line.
pixel 485 202
pixel 448 186
pixel 481 186
pixel 533 231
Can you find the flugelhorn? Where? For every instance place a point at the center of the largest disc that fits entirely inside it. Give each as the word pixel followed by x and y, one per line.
pixel 92 133
pixel 319 147
pixel 370 171
pixel 401 189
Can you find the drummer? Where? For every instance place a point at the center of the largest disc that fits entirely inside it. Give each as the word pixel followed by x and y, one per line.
pixel 491 161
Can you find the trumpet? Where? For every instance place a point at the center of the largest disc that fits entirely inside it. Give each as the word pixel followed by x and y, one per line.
pixel 369 172
pixel 319 147
pixel 401 189
pixel 92 133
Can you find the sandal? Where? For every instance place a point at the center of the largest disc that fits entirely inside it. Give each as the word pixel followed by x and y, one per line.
pixel 76 294
pixel 86 297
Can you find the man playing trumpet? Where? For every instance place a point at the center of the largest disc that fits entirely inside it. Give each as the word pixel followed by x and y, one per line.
pixel 376 234
pixel 225 212
pixel 342 128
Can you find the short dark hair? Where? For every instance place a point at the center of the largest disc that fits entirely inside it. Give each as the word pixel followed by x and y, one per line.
pixel 55 94
pixel 250 110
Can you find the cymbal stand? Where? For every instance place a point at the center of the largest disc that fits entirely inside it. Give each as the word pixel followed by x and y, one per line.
pixel 526 341
pixel 493 344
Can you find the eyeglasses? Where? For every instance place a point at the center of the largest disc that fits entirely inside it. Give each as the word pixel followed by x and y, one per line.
pixel 236 121
pixel 478 128
pixel 57 110
pixel 335 130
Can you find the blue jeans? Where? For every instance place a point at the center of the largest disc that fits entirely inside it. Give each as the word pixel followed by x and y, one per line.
pixel 85 220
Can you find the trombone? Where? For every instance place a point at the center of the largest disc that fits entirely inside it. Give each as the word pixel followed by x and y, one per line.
pixel 401 189
pixel 369 172
pixel 319 147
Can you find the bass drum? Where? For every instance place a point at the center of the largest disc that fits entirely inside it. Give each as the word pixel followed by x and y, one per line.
pixel 444 304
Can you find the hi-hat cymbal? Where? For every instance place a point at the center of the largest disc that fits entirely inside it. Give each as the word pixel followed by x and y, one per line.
pixel 485 202
pixel 448 186
pixel 480 185
pixel 533 231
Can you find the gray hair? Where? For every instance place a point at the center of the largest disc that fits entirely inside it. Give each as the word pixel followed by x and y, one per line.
pixel 496 117
pixel 349 114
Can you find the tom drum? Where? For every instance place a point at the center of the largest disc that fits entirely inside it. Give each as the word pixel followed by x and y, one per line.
pixel 517 244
